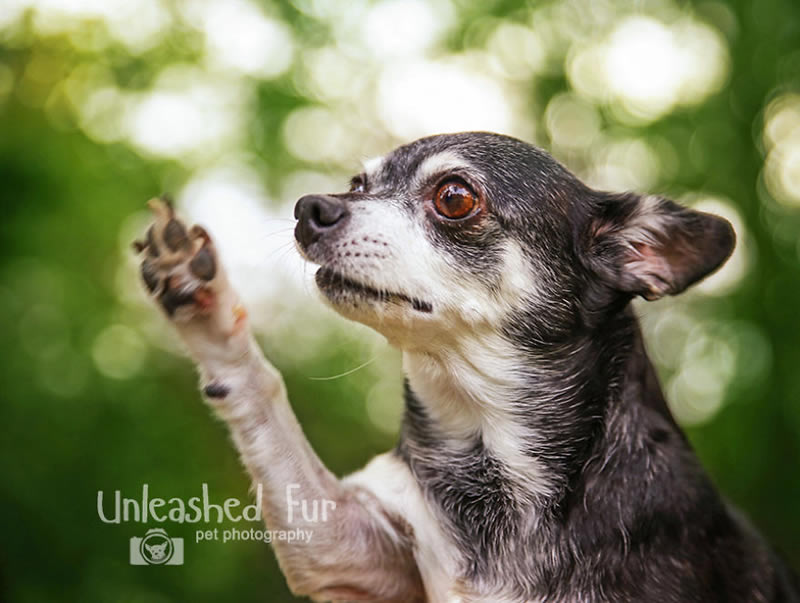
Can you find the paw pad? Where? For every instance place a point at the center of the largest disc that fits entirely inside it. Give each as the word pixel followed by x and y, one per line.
pixel 175 236
pixel 203 265
pixel 216 390
pixel 179 263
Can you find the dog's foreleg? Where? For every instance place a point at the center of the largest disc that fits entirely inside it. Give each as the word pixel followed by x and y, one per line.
pixel 351 548
pixel 333 541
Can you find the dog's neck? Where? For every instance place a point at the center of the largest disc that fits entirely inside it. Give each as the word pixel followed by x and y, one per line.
pixel 498 432
pixel 462 399
pixel 533 411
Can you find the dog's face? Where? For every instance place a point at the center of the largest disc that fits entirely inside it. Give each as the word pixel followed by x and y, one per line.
pixel 479 231
pixel 157 551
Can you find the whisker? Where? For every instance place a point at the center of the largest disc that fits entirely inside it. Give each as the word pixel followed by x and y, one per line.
pixel 306 288
pixel 346 373
pixel 279 231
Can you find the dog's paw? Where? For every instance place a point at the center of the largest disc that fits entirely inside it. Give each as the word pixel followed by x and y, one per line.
pixel 181 271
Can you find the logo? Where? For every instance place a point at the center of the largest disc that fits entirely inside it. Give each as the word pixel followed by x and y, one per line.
pixel 156 548
pixel 197 509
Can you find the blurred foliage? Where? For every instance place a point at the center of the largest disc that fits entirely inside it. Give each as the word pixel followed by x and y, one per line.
pixel 74 424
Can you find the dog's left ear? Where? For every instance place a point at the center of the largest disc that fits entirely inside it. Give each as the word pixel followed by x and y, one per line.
pixel 651 246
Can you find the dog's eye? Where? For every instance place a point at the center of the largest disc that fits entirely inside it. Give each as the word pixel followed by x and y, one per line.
pixel 358 184
pixel 455 200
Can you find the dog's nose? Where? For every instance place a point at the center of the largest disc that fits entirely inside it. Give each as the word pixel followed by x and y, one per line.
pixel 316 215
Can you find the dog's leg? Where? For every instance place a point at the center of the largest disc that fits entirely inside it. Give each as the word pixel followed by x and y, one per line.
pixel 357 550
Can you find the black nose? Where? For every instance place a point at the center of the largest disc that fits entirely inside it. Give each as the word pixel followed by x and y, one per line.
pixel 316 215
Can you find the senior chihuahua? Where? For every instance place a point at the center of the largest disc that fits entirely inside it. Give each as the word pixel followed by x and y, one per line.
pixel 537 459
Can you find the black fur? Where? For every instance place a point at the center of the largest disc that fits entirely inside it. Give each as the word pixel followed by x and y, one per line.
pixel 632 516
pixel 624 511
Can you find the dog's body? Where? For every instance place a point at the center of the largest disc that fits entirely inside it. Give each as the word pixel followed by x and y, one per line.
pixel 538 460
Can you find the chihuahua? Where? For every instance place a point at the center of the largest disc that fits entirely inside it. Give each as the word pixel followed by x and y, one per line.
pixel 537 458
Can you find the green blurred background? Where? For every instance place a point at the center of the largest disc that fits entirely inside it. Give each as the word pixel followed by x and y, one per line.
pixel 240 106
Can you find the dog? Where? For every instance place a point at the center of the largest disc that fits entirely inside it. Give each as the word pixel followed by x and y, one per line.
pixel 537 459
pixel 157 551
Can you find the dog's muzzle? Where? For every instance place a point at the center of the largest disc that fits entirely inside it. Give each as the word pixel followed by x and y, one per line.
pixel 317 215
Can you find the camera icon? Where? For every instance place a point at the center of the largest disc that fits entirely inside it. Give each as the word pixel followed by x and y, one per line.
pixel 156 548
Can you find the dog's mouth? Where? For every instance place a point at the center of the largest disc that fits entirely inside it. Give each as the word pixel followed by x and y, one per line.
pixel 333 283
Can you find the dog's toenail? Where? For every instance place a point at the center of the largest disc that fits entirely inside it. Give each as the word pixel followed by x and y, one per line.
pixel 152 248
pixel 203 265
pixel 149 276
pixel 216 390
pixel 198 232
pixel 175 235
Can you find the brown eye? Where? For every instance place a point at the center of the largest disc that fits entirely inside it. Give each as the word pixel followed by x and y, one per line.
pixel 455 200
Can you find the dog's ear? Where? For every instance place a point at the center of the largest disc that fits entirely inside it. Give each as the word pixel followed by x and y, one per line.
pixel 651 246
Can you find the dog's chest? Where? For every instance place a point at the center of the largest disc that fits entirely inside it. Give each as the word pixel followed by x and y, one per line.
pixel 390 480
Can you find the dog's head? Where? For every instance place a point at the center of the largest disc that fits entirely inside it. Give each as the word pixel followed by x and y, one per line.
pixel 479 231
pixel 157 551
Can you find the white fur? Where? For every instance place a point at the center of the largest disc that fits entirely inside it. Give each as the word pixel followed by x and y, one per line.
pixel 454 357
pixel 446 161
pixel 426 274
pixel 470 392
pixel 372 166
pixel 390 480
pixel 457 363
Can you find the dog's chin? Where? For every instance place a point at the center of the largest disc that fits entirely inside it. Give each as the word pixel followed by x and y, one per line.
pixel 354 298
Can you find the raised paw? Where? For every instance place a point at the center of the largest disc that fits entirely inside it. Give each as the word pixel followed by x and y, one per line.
pixel 181 270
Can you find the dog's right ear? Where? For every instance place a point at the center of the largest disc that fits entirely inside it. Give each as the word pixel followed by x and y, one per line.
pixel 651 246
